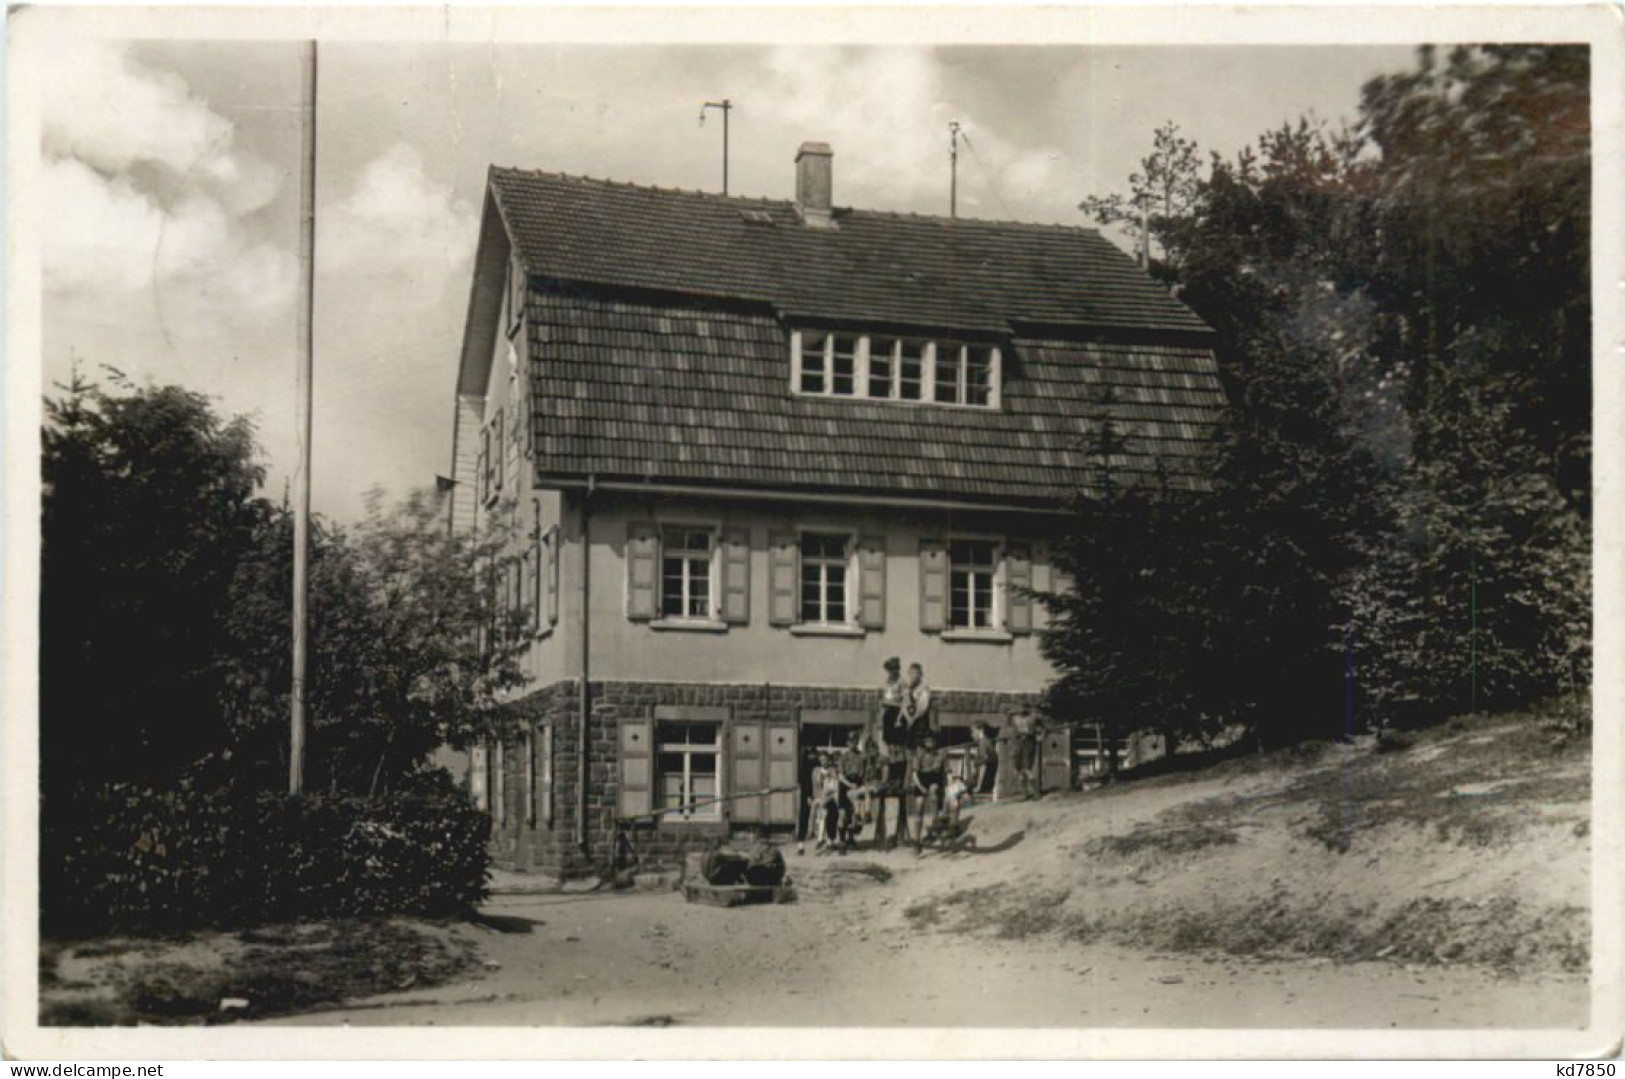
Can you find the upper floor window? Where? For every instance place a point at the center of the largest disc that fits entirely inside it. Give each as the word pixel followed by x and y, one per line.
pixel 885 368
pixel 971 566
pixel 825 559
pixel 686 579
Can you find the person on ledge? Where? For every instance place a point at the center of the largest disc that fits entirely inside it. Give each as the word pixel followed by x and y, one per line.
pixel 918 717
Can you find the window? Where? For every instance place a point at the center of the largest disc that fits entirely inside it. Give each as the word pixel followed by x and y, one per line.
pixel 685 579
pixel 688 769
pixel 971 566
pixel 883 368
pixel 966 375
pixel 911 371
pixel 814 363
pixel 825 561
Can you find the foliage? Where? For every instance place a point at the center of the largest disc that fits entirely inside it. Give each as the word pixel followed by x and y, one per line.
pixel 1141 588
pixel 149 506
pixel 1161 195
pixel 1403 319
pixel 145 858
pixel 410 644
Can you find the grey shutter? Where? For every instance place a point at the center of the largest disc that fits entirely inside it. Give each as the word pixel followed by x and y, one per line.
pixel 1018 579
pixel 933 585
pixel 748 769
pixel 636 794
pixel 538 568
pixel 551 571
pixel 872 582
pixel 499 450
pixel 784 558
pixel 736 576
pixel 642 571
pixel 785 806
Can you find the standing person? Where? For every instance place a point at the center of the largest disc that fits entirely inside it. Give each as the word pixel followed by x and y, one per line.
pixel 854 790
pixel 1025 726
pixel 917 711
pixel 987 760
pixel 892 695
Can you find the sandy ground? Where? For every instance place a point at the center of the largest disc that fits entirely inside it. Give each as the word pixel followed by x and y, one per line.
pixel 845 954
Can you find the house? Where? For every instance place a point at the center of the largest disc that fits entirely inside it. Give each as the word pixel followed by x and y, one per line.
pixel 755 447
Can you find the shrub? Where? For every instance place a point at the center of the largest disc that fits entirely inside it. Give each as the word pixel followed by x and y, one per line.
pixel 139 859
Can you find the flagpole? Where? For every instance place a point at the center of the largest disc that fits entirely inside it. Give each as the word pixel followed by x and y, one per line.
pixel 302 412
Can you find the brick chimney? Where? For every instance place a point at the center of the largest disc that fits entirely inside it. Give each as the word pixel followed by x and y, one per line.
pixel 815 184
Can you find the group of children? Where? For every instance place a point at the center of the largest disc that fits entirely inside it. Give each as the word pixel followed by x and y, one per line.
pixel 898 759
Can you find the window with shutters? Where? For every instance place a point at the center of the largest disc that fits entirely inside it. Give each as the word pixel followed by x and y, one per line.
pixel 972 566
pixel 687 580
pixel 686 776
pixel 826 563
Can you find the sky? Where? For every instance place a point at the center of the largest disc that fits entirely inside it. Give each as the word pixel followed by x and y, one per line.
pixel 173 167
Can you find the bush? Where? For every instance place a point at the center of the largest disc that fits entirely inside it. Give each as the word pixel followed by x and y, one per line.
pixel 139 859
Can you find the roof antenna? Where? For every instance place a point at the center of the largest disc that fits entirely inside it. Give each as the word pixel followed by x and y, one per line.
pixel 726 106
pixel 953 168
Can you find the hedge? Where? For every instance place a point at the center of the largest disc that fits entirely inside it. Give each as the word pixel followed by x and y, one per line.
pixel 139 859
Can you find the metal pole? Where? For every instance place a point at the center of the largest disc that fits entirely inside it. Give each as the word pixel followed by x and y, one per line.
pixel 953 168
pixel 302 414
pixel 726 106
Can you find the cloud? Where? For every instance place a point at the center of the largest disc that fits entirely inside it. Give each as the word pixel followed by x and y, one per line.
pixel 886 112
pixel 148 190
pixel 398 228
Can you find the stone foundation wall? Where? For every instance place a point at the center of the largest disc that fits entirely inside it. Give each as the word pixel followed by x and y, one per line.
pixel 527 841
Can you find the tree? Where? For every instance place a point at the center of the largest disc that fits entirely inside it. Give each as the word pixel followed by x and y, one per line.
pixel 149 504
pixel 1161 195
pixel 1131 635
pixel 412 645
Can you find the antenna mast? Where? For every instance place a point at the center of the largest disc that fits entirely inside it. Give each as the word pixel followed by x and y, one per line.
pixel 953 168
pixel 726 106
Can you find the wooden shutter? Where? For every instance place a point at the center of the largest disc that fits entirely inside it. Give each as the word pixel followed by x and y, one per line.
pixel 784 568
pixel 872 582
pixel 479 790
pixel 748 769
pixel 642 570
pixel 540 785
pixel 1018 579
pixel 499 451
pixel 530 776
pixel 636 794
pixel 550 570
pixel 784 807
pixel 538 568
pixel 485 463
pixel 933 585
pixel 736 576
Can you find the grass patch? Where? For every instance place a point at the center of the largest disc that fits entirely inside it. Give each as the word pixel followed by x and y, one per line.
pixel 1497 933
pixel 282 969
pixel 1162 840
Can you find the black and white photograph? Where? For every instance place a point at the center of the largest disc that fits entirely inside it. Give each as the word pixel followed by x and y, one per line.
pixel 556 520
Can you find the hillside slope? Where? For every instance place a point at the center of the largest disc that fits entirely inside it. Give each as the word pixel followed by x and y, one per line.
pixel 1469 847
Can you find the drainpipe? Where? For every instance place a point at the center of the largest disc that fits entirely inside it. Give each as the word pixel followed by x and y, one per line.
pixel 585 702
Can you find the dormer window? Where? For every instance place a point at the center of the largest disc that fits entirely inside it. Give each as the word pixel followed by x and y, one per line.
pixel 884 368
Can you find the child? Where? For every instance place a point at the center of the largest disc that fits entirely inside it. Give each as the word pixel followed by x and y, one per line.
pixel 957 794
pixel 827 805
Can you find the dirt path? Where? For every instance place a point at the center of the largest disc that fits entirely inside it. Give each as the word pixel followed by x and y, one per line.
pixel 845 955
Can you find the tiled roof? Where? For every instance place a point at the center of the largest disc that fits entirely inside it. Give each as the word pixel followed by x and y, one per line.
pixel 698 394
pixel 930 272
